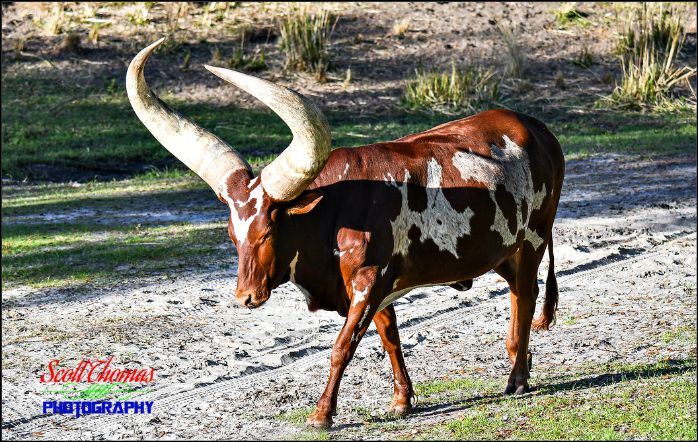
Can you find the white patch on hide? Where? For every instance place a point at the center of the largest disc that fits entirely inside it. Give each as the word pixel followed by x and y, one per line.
pixel 342 252
pixel 439 222
pixel 240 226
pixel 359 295
pixel 355 335
pixel 509 167
pixel 533 238
pixel 343 174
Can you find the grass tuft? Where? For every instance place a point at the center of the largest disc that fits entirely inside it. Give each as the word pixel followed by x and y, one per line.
pixel 568 14
pixel 240 60
pixel 70 43
pixel 470 89
pixel 585 59
pixel 304 41
pixel 401 27
pixel 650 44
pixel 516 62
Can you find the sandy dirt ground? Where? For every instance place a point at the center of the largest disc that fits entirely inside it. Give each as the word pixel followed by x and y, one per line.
pixel 625 246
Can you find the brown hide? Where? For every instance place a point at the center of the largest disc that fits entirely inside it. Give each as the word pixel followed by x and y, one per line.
pixel 358 206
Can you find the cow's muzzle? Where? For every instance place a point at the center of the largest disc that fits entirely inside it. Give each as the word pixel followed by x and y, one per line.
pixel 251 298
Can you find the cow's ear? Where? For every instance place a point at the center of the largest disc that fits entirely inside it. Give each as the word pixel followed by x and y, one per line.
pixel 304 203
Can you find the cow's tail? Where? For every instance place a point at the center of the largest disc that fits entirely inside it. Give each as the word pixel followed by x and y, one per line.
pixel 547 317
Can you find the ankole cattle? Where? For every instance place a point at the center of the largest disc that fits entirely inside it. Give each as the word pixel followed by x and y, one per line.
pixel 356 228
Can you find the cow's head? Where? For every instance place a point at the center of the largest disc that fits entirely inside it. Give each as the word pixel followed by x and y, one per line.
pixel 258 206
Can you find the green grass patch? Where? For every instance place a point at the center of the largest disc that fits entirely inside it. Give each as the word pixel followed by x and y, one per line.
pixel 97 131
pixel 297 415
pixel 567 15
pixel 619 401
pixel 426 391
pixel 645 135
pixel 313 435
pixel 156 188
pixel 680 334
pixel 50 129
pixel 463 89
pixel 49 255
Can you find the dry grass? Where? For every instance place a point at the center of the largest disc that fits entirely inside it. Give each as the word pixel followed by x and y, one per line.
pixel 568 14
pixel 241 60
pixel 216 57
pixel 347 79
pixel 585 58
pixel 305 38
pixel 655 22
pixel 651 40
pixel 516 62
pixel 70 43
pixel 401 27
pixel 55 22
pixel 469 89
pixel 138 15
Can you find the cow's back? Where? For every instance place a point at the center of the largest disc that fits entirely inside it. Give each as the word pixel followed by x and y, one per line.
pixel 449 203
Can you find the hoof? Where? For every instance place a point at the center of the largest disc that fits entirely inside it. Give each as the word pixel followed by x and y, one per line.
pixel 399 410
pixel 319 420
pixel 513 389
pixel 522 389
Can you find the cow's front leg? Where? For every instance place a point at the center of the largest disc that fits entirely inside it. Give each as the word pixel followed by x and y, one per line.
pixel 359 317
pixel 386 323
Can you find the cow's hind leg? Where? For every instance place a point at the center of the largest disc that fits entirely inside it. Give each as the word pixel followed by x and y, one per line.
pixel 386 323
pixel 520 271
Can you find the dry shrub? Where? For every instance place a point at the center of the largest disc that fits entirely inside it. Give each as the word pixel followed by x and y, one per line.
pixel 650 41
pixel 70 43
pixel 585 58
pixel 470 88
pixel 401 27
pixel 304 41
pixel 515 58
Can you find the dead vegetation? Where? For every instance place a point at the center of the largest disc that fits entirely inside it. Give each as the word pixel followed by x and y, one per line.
pixel 356 53
pixel 471 88
pixel 305 38
pixel 651 39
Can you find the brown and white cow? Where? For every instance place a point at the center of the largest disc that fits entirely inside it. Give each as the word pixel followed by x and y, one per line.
pixel 356 228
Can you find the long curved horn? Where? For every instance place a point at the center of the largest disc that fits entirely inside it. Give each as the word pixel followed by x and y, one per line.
pixel 298 165
pixel 207 155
